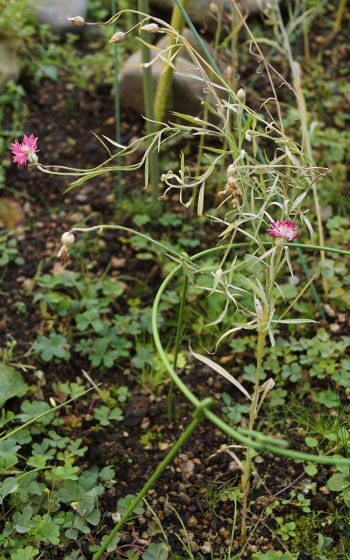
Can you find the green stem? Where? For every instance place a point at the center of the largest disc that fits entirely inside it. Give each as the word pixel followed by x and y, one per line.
pixel 148 94
pixel 163 93
pixel 339 16
pixel 262 332
pixel 206 110
pixel 192 426
pixel 117 103
pixel 261 442
pixel 179 332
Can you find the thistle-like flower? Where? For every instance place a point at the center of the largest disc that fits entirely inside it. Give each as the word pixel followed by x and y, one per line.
pixel 284 229
pixel 26 151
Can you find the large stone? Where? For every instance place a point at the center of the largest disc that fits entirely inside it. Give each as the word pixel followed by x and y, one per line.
pixel 57 12
pixel 201 13
pixel 187 91
pixel 9 67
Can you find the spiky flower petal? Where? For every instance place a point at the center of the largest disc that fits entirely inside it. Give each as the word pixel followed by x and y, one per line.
pixel 284 229
pixel 26 151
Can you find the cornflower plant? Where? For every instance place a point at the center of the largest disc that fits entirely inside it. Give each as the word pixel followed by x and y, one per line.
pixel 261 204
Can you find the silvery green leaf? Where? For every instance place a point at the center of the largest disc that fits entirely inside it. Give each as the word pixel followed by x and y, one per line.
pixel 293 321
pixel 221 316
pixel 298 200
pixel 200 203
pixel 309 226
pixel 219 369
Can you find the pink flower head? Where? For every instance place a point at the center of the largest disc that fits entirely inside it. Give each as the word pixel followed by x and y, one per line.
pixel 26 151
pixel 283 229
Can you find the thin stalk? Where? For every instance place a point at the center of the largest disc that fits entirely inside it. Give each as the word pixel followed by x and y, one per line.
pixel 234 50
pixel 169 457
pixel 306 39
pixel 295 69
pixel 339 16
pixel 148 94
pixel 179 332
pixel 117 103
pixel 262 332
pixel 206 110
pixel 163 93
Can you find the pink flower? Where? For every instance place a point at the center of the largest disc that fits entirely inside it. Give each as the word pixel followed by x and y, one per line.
pixel 26 151
pixel 283 229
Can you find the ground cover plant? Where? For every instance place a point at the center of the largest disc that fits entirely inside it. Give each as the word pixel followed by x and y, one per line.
pixel 88 412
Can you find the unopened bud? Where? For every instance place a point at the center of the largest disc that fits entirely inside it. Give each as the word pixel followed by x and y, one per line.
pixel 241 95
pixel 118 37
pixel 214 8
pixel 151 28
pixel 67 239
pixel 77 20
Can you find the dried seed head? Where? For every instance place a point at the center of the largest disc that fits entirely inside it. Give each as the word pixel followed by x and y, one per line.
pixel 241 95
pixel 231 182
pixel 151 28
pixel 63 255
pixel 231 170
pixel 228 73
pixel 67 239
pixel 77 20
pixel 118 37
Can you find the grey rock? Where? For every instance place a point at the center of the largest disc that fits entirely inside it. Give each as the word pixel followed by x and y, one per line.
pixel 9 67
pixel 56 12
pixel 187 92
pixel 201 14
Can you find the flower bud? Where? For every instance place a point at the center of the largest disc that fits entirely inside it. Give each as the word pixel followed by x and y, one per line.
pixel 77 20
pixel 241 95
pixel 67 239
pixel 151 28
pixel 118 37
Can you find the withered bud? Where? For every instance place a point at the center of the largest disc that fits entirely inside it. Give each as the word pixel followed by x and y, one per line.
pixel 241 95
pixel 231 182
pixel 228 73
pixel 77 20
pixel 118 37
pixel 63 255
pixel 231 170
pixel 151 27
pixel 67 239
